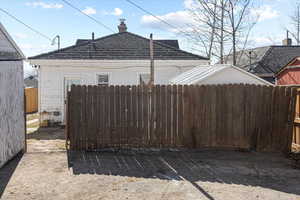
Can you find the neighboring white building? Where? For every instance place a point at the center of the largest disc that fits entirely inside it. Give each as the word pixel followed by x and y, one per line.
pixel 118 59
pixel 217 74
pixel 12 125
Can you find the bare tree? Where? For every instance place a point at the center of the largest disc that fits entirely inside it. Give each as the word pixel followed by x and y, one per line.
pixel 204 30
pixel 295 21
pixel 239 12
pixel 221 21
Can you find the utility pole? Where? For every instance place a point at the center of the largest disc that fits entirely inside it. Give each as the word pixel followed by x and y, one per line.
pixel 151 83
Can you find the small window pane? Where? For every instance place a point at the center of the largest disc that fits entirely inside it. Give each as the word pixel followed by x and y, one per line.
pixel 144 79
pixel 103 79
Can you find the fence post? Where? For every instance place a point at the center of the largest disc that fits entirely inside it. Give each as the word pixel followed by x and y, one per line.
pixel 25 125
pixel 67 121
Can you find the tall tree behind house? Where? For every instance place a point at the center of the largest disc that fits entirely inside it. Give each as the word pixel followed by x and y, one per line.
pixel 223 26
pixel 295 22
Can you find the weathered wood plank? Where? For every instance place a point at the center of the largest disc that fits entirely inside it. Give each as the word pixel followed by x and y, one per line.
pixel 128 114
pixel 84 119
pixel 117 132
pixel 151 116
pixel 140 135
pixel 146 116
pixel 175 116
pixel 180 116
pixel 168 126
pixel 163 121
pixel 134 115
pixel 158 107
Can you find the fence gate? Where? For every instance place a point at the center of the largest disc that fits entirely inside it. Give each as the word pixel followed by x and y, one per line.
pixel 296 135
pixel 216 116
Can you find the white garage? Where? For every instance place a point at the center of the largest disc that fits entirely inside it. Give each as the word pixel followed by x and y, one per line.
pixel 217 74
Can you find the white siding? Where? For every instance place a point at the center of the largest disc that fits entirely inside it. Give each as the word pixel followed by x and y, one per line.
pixel 231 76
pixel 51 81
pixel 11 109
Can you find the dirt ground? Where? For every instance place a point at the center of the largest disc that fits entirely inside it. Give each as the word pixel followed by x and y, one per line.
pixel 48 172
pixel 46 140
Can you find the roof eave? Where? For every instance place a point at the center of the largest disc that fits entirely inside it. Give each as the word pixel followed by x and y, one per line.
pixel 3 30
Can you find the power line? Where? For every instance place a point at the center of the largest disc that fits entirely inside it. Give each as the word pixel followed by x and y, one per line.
pixel 92 18
pixel 29 27
pixel 158 18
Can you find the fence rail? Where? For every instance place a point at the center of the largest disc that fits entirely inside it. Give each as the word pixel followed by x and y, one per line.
pixel 222 116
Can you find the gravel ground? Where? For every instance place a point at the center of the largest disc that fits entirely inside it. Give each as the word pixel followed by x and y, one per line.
pixel 44 175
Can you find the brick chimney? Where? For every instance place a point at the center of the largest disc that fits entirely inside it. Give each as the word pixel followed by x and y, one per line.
pixel 287 41
pixel 122 27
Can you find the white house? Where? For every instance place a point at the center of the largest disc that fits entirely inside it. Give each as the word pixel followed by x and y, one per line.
pixel 12 125
pixel 118 59
pixel 217 74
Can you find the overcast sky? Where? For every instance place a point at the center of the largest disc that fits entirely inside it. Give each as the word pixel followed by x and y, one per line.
pixel 54 17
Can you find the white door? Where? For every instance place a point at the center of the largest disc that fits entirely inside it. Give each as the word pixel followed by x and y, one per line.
pixel 68 82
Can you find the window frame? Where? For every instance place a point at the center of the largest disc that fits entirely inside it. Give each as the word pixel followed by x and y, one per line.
pixel 97 79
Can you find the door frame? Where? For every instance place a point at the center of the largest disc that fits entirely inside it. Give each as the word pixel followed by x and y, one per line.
pixel 64 98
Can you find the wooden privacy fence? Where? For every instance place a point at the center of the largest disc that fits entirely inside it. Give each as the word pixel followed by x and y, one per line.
pixel 296 135
pixel 31 95
pixel 222 116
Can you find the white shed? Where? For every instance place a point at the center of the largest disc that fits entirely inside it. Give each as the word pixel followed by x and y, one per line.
pixel 217 74
pixel 12 131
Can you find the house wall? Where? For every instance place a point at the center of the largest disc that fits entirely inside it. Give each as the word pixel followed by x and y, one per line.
pixel 51 78
pixel 231 76
pixel 289 77
pixel 11 109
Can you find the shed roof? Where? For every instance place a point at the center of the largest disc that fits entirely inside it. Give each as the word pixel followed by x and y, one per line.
pixel 203 72
pixel 120 46
pixel 8 48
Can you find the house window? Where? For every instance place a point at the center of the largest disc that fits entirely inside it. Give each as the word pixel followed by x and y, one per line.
pixel 102 79
pixel 144 79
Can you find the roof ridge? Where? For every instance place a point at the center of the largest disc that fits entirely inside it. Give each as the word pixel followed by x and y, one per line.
pixel 162 44
pixel 113 35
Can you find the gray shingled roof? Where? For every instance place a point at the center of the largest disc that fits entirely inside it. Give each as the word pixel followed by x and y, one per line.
pixel 266 60
pixel 172 43
pixel 119 46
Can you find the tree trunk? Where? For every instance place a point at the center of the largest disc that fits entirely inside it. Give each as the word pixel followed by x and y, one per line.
pixel 222 32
